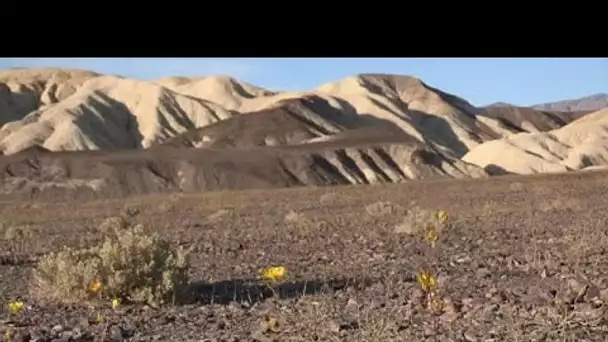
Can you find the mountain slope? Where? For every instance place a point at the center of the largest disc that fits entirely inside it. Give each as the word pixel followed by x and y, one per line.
pixel 368 154
pixel 25 90
pixel 524 119
pixel 580 144
pixel 110 112
pixel 349 160
pixel 289 122
pixel 222 90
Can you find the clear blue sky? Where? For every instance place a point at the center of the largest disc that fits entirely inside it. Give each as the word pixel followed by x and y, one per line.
pixel 522 81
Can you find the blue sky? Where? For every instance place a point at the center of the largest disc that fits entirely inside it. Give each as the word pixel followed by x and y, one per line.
pixel 522 81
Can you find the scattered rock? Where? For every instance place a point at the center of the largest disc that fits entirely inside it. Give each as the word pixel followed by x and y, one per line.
pixel 482 273
pixel 576 291
pixel 349 316
pixel 22 336
pixel 491 293
pixel 352 306
pixel 35 337
pixel 449 317
pixel 588 311
pixel 116 333
pixel 78 334
pixel 604 296
pixel 57 329
pixel 450 311
pixel 429 331
pixel 84 323
pixel 334 326
pixel 469 337
pixel 471 303
pixel 592 293
pixel 259 336
pixel 206 311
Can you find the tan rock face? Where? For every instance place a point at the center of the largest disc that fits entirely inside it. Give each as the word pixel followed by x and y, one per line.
pixel 581 144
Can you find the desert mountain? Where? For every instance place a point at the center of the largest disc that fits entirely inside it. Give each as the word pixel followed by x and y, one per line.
pixel 109 112
pixel 580 144
pixel 183 134
pixel 587 104
pixel 25 90
pixel 100 112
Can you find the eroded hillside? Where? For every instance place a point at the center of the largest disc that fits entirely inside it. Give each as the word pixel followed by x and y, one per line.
pixel 182 134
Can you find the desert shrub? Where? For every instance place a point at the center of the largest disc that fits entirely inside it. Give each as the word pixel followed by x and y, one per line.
pixel 418 221
pixel 129 264
pixel 16 238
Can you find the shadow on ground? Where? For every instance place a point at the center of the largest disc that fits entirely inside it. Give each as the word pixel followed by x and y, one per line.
pixel 254 290
pixel 18 260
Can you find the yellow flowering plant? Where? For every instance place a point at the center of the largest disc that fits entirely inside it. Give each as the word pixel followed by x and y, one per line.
pixel 431 236
pixel 115 303
pixel 95 286
pixel 425 278
pixel 8 334
pixel 272 275
pixel 16 306
pixel 442 216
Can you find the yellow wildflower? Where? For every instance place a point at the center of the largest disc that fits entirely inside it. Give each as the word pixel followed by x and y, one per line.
pixel 442 215
pixel 431 236
pixel 95 286
pixel 115 303
pixel 15 306
pixel 427 281
pixel 273 273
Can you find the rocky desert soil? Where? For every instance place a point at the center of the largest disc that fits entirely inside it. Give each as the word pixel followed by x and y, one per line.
pixel 524 260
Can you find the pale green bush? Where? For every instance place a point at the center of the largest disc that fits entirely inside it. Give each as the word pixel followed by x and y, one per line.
pixel 129 264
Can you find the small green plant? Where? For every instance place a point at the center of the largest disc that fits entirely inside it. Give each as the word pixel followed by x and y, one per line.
pixel 129 264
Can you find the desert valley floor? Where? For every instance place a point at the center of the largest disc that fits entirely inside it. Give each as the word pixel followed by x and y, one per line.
pixel 525 260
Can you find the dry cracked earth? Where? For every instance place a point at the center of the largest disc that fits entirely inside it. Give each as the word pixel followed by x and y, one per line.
pixel 524 260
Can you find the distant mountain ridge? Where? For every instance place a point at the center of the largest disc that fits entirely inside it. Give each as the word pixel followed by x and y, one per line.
pixel 500 105
pixel 588 103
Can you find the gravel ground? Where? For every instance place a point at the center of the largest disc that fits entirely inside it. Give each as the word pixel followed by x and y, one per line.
pixel 524 260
